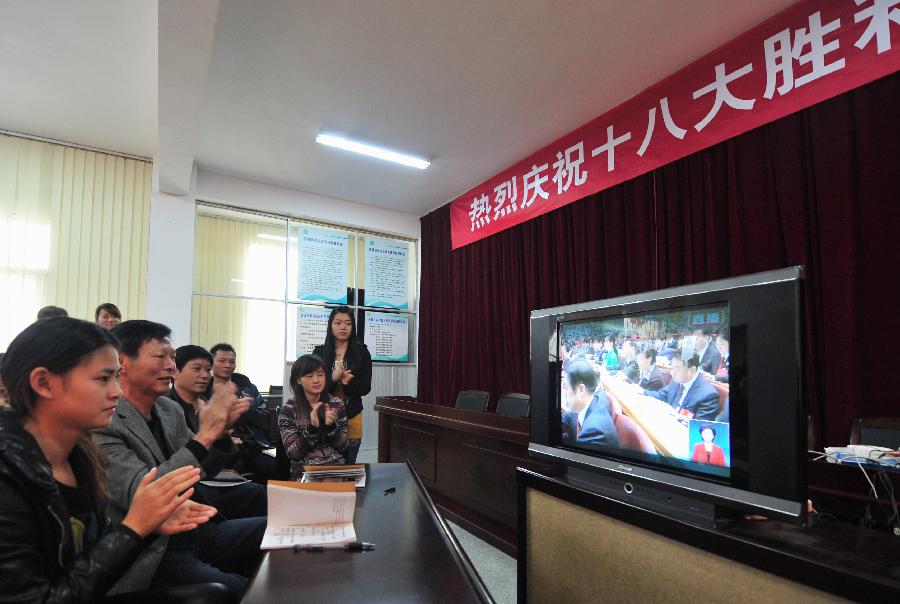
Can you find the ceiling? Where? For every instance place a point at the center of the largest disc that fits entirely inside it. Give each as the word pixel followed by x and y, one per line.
pixel 83 72
pixel 244 87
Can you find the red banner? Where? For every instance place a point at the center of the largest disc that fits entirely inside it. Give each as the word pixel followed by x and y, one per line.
pixel 810 52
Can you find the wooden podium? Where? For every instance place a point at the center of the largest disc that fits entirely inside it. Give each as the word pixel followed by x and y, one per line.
pixel 466 459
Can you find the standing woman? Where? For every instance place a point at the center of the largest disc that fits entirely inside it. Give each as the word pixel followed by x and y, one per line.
pixel 55 544
pixel 349 370
pixel 313 426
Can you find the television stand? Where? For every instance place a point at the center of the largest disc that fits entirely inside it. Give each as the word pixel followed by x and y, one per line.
pixel 656 498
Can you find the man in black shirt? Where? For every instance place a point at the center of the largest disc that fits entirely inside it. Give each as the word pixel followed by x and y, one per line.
pixel 252 427
pixel 192 377
pixel 192 367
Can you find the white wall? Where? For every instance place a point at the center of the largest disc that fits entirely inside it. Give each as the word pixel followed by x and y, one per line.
pixel 170 261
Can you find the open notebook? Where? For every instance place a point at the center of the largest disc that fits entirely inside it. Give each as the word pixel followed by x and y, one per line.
pixel 309 514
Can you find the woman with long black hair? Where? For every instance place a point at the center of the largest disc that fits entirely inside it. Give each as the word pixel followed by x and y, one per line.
pixel 348 367
pixel 313 425
pixel 55 545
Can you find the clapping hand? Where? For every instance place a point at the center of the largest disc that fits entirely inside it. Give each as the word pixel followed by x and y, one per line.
pixel 330 415
pixel 240 406
pixel 186 517
pixel 155 500
pixel 219 414
pixel 346 377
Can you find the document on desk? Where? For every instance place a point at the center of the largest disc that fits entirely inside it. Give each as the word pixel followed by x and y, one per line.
pixel 309 514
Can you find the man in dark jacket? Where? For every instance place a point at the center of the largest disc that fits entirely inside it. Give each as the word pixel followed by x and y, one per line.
pixel 251 428
pixel 689 393
pixel 650 377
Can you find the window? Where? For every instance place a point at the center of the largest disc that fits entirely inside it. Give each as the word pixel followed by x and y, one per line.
pixel 74 228
pixel 266 284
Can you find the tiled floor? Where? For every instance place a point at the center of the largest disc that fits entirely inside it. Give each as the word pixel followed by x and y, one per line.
pixel 497 570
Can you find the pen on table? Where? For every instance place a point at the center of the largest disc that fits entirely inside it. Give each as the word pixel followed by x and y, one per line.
pixel 354 546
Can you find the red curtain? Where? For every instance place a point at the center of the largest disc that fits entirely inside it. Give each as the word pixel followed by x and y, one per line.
pixel 819 188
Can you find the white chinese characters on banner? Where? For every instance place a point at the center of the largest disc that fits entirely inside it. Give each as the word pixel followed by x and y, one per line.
pixel 780 54
pixel 312 325
pixel 813 45
pixel 322 273
pixel 880 14
pixel 387 336
pixel 387 273
pixel 610 147
pixel 503 193
pixel 671 126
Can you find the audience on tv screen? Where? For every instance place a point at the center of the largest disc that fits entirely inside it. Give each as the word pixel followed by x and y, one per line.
pixel 655 384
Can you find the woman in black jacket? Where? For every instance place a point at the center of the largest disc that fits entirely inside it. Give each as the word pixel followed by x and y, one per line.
pixel 348 367
pixel 55 545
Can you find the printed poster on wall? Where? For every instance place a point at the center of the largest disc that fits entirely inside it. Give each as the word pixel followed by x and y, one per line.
pixel 387 336
pixel 387 273
pixel 312 324
pixel 323 265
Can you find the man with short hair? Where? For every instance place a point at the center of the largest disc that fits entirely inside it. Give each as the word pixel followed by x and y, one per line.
pixel 650 377
pixel 51 312
pixel 709 356
pixel 252 428
pixel 589 421
pixel 192 375
pixel 628 366
pixel 148 430
pixel 689 393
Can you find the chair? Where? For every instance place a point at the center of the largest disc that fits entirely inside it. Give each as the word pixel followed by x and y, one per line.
pixel 472 400
pixel 876 431
pixel 514 405
pixel 276 394
pixel 631 436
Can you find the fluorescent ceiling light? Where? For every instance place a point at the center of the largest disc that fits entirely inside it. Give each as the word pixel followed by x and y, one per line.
pixel 334 140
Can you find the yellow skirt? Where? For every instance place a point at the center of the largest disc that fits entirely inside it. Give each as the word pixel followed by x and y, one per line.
pixel 354 427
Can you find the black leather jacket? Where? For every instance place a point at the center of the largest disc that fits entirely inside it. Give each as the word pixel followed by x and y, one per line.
pixel 37 558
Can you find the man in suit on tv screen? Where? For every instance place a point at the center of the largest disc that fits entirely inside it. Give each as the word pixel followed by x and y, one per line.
pixel 689 393
pixel 589 421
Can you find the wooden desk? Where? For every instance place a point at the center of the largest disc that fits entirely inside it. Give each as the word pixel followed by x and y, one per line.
pixel 466 459
pixel 635 555
pixel 417 558
pixel 658 420
pixel 843 491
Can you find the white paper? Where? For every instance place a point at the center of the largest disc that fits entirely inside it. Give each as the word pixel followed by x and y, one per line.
pixel 387 273
pixel 306 517
pixel 312 325
pixel 323 265
pixel 387 336
pixel 317 534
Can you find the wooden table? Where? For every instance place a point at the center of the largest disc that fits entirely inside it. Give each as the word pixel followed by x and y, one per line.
pixel 416 559
pixel 658 419
pixel 466 459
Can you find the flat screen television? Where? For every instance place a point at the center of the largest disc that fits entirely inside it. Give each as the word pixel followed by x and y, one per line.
pixel 687 400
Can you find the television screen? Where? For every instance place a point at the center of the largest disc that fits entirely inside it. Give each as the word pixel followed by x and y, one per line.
pixel 649 386
pixel 693 391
